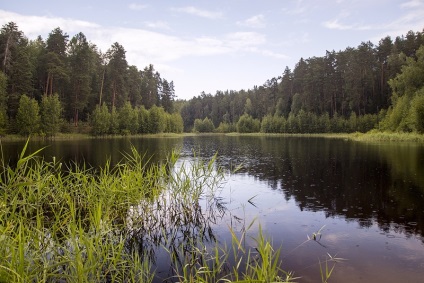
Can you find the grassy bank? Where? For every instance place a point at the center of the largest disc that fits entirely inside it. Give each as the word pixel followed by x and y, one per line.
pixel 375 136
pixel 372 136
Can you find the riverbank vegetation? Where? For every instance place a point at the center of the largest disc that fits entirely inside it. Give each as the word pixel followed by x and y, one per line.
pixel 49 86
pixel 69 223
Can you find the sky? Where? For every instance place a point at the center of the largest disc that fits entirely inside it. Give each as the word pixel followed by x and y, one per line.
pixel 218 45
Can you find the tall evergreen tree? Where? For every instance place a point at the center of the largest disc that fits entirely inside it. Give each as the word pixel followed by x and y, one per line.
pixel 55 61
pixel 81 66
pixel 150 82
pixel 167 95
pixel 116 75
pixel 9 40
pixel 3 103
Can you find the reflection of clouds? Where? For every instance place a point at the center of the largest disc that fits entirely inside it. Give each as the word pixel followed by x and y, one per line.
pixel 335 238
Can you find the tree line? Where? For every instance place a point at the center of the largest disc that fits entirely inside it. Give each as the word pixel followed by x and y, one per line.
pixel 81 79
pixel 357 89
pixel 62 81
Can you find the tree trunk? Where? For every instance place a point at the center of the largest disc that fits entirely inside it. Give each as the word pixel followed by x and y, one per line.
pixel 51 85
pixel 6 53
pixel 75 107
pixel 113 94
pixel 101 86
pixel 46 91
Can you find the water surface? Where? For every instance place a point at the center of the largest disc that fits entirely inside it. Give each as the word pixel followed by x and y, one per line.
pixel 367 198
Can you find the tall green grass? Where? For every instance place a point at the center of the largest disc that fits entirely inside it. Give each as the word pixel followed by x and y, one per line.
pixel 70 223
pixel 378 136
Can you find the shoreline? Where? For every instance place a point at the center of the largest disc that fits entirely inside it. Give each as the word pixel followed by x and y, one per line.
pixel 372 136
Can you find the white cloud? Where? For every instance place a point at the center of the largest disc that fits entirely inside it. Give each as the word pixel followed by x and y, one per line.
pixel 145 46
pixel 338 25
pixel 269 53
pixel 257 21
pixel 411 20
pixel 198 12
pixel 35 25
pixel 158 25
pixel 239 40
pixel 412 4
pixel 137 7
pixel 334 24
pixel 141 45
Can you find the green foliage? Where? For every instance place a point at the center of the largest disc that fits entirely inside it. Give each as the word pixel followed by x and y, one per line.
pixel 296 104
pixel 81 64
pixel 292 124
pixel 116 71
pixel 247 124
pixel 3 106
pixel 203 126
pixel 79 73
pixel 338 124
pixel 28 116
pixel 3 121
pixel 174 123
pixel 355 80
pixel 114 121
pixel 128 119
pixel 405 115
pixel 367 122
pixel 418 112
pixel 307 121
pixel 100 120
pixel 3 90
pixel 51 115
pixel 143 120
pixel 324 123
pixel 410 79
pixel 273 124
pixel 156 120
pixel 225 127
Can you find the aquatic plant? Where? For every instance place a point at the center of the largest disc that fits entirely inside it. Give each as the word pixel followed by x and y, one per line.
pixel 70 223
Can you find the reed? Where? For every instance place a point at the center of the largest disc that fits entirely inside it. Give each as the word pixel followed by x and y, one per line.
pixel 70 223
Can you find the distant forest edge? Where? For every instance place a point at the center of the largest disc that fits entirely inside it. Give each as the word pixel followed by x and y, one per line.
pixel 65 84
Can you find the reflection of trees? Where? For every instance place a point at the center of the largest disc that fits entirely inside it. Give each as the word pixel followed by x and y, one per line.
pixel 359 181
pixel 179 219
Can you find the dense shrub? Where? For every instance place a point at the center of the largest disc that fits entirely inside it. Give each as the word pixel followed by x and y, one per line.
pixel 247 124
pixel 203 126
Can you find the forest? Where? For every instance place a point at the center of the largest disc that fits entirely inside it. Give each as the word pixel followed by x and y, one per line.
pixel 66 84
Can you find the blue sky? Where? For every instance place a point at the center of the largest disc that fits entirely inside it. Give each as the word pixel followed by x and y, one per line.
pixel 221 44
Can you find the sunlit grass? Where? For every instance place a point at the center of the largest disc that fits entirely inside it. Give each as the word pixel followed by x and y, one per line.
pixel 388 136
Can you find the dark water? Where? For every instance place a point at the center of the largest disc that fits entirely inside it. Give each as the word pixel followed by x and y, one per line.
pixel 368 198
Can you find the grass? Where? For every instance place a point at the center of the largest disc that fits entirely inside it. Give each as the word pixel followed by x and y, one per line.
pixel 69 223
pixel 375 136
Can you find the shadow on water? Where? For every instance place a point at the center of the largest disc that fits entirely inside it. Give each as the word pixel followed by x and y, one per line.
pixel 371 184
pixel 359 181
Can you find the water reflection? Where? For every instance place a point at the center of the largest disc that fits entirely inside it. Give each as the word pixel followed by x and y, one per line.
pixel 169 229
pixel 361 181
pixel 301 183
pixel 367 182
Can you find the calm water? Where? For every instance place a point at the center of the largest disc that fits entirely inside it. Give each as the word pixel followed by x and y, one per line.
pixel 368 198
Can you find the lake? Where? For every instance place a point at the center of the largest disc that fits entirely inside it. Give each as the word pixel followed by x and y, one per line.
pixel 366 200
